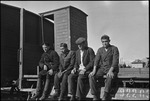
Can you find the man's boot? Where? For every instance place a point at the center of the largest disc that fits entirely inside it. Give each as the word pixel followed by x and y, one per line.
pixel 56 94
pixel 97 96
pixel 38 90
pixel 46 91
pixel 106 96
pixel 73 98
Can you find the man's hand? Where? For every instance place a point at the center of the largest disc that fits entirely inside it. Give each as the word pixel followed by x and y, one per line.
pixel 93 72
pixel 74 71
pixel 110 74
pixel 81 67
pixel 45 67
pixel 50 72
pixel 82 71
pixel 60 74
pixel 64 71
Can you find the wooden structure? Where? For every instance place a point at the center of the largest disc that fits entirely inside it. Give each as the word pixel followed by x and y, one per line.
pixel 69 24
pixel 21 39
pixel 23 32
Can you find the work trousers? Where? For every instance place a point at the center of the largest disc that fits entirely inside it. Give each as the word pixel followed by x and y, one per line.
pixel 78 85
pixel 61 84
pixel 97 81
pixel 44 84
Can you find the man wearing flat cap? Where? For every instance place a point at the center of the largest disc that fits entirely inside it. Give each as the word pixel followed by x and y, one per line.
pixel 106 63
pixel 78 79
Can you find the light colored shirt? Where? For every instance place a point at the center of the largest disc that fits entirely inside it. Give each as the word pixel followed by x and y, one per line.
pixel 81 66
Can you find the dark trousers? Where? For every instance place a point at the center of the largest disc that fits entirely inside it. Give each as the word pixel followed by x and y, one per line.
pixel 78 85
pixel 44 84
pixel 61 84
pixel 97 81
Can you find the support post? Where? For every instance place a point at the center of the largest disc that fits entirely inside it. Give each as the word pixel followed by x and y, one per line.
pixel 21 49
pixel 42 29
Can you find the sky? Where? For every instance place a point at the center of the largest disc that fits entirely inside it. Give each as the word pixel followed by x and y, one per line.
pixel 126 22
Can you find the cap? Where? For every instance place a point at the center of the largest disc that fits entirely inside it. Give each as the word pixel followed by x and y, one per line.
pixel 80 40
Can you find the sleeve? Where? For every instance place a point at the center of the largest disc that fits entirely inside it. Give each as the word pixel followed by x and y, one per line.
pixel 41 62
pixel 97 58
pixel 91 62
pixel 60 63
pixel 76 61
pixel 55 58
pixel 72 61
pixel 115 61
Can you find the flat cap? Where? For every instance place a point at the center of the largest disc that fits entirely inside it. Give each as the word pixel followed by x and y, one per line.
pixel 80 40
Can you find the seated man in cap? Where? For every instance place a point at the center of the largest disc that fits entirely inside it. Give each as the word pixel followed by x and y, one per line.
pixel 67 60
pixel 106 63
pixel 49 64
pixel 83 66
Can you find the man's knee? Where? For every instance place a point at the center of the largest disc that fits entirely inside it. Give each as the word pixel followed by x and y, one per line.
pixel 82 77
pixel 56 76
pixel 65 78
pixel 71 76
pixel 65 75
pixel 91 79
pixel 40 75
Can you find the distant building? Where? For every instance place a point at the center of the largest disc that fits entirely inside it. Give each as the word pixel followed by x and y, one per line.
pixel 147 63
pixel 137 64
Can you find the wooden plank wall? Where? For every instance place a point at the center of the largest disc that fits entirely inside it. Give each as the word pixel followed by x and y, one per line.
pixel 61 19
pixel 78 26
pixel 10 25
pixel 33 41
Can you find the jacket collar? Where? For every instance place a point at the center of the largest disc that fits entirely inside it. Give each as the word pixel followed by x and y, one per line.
pixel 109 49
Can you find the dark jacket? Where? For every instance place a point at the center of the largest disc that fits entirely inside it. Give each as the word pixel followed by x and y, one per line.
pixel 88 58
pixel 67 61
pixel 51 59
pixel 107 59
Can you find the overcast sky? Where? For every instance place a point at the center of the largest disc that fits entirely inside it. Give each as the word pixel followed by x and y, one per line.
pixel 126 22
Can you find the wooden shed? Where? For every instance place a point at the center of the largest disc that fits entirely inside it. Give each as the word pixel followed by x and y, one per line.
pixel 70 23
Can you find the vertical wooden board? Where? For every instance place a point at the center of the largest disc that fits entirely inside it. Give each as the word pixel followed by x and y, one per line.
pixel 32 41
pixel 48 30
pixel 61 27
pixel 78 26
pixel 10 25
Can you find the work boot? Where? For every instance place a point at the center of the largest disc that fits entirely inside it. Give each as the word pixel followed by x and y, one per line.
pixel 106 96
pixel 46 91
pixel 95 98
pixel 73 98
pixel 56 94
pixel 35 96
pixel 38 90
pixel 62 99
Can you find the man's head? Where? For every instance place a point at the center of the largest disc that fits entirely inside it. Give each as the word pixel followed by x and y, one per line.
pixel 81 42
pixel 63 47
pixel 46 47
pixel 105 41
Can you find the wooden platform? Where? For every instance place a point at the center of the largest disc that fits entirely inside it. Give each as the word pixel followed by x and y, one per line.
pixel 122 93
pixel 125 75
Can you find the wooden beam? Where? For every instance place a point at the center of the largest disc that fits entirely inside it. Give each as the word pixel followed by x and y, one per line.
pixel 21 49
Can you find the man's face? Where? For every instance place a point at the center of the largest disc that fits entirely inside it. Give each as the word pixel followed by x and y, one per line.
pixel 45 48
pixel 105 42
pixel 63 49
pixel 81 46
